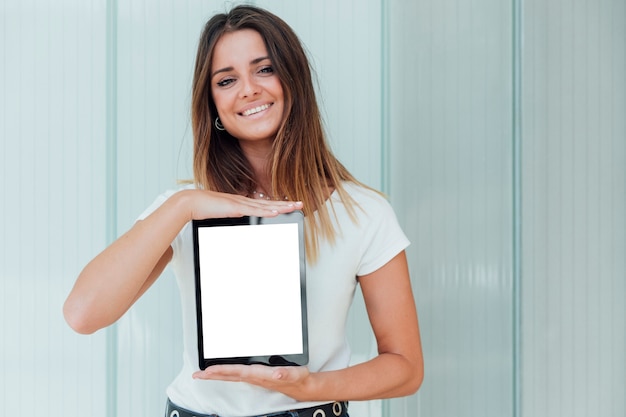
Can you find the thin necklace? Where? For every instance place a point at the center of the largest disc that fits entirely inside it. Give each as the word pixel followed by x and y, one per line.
pixel 265 196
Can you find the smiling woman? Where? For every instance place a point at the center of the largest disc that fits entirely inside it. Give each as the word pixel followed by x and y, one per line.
pixel 257 128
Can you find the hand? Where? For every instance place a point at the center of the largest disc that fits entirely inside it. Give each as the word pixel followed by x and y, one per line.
pixel 203 204
pixel 290 380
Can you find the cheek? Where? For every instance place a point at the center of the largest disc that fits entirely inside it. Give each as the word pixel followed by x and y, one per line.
pixel 284 103
pixel 278 89
pixel 221 100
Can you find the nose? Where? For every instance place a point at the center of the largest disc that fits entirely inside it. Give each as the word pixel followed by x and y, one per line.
pixel 249 87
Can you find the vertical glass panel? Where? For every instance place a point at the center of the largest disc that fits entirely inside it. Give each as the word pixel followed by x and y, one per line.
pixel 52 176
pixel 449 128
pixel 574 195
pixel 156 44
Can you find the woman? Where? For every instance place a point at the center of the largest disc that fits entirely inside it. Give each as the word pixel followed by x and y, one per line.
pixel 259 150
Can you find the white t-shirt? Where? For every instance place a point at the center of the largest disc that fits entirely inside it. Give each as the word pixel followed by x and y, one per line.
pixel 359 249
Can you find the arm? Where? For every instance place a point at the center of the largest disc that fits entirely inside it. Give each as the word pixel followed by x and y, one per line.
pixel 110 284
pixel 396 371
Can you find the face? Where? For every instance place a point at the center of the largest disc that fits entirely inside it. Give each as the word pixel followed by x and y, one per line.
pixel 246 90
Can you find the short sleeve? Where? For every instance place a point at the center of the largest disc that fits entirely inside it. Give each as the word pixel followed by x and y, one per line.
pixel 162 198
pixel 383 237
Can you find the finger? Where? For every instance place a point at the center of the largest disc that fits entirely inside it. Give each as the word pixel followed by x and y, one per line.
pixel 210 374
pixel 288 374
pixel 270 203
pixel 237 373
pixel 222 372
pixel 268 209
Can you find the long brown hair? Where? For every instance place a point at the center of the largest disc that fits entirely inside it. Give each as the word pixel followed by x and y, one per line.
pixel 301 166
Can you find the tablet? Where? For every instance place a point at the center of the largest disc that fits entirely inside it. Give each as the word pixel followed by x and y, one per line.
pixel 250 283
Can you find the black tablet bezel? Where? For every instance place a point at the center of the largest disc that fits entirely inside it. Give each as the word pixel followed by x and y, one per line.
pixel 277 359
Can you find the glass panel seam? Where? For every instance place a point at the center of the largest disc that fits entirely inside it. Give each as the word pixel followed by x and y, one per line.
pixel 385 137
pixel 111 190
pixel 517 200
pixel 385 177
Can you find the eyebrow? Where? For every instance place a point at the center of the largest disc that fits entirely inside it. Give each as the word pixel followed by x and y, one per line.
pixel 227 69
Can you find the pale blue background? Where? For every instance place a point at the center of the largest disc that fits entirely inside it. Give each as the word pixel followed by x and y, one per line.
pixel 497 128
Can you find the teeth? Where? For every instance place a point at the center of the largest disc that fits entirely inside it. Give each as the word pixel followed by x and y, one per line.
pixel 255 110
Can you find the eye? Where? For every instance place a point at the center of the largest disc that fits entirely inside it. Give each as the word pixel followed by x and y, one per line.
pixel 268 69
pixel 225 82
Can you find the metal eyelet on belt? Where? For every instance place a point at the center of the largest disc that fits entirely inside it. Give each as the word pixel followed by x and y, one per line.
pixel 337 408
pixel 319 413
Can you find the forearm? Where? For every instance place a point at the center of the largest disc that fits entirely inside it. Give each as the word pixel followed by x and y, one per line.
pixel 114 279
pixel 117 277
pixel 386 376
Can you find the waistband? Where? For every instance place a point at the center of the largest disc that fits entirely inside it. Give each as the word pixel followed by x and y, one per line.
pixel 335 409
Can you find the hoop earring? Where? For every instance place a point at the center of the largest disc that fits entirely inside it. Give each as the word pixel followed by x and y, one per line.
pixel 218 124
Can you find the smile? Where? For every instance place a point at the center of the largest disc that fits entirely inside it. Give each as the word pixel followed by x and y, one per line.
pixel 256 110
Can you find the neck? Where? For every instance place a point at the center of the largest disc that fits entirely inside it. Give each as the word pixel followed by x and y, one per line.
pixel 257 154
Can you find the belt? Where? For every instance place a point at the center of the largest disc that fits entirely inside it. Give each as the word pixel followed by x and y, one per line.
pixel 335 409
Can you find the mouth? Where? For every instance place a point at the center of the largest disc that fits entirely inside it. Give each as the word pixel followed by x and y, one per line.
pixel 256 110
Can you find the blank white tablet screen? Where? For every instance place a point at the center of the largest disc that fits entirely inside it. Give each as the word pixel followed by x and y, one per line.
pixel 250 288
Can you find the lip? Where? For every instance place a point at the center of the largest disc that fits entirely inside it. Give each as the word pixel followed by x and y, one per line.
pixel 255 109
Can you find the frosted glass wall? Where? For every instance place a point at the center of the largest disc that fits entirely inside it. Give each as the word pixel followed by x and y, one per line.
pixel 53 178
pixel 450 179
pixel 546 336
pixel 574 209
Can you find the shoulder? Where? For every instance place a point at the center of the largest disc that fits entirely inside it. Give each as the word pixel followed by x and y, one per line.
pixel 163 197
pixel 363 199
pixel 170 192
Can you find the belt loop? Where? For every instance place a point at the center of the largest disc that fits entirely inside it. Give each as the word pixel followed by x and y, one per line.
pixel 337 408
